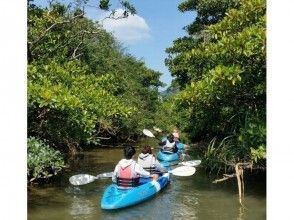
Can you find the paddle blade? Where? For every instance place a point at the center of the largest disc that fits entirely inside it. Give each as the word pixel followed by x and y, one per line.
pixel 148 133
pixel 104 175
pixel 191 163
pixel 183 171
pixel 81 179
pixel 157 129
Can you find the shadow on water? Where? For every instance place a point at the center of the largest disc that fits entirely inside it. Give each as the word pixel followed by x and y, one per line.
pixel 194 197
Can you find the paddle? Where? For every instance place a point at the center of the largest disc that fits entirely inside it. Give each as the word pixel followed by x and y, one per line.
pixel 149 133
pixel 190 163
pixel 183 171
pixel 82 179
pixel 157 129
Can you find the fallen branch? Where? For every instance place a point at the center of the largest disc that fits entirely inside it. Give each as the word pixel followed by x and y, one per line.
pixel 239 174
pixel 226 177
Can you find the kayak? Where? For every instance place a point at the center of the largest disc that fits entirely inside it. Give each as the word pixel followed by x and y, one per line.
pixel 117 198
pixel 167 156
pixel 180 146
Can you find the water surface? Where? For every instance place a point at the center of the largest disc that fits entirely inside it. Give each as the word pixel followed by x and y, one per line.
pixel 193 197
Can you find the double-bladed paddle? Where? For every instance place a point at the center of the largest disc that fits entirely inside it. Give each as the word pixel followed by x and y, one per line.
pixel 148 133
pixel 82 179
pixel 190 163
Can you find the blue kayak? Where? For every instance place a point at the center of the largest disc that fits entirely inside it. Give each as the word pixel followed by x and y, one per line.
pixel 116 198
pixel 180 146
pixel 166 156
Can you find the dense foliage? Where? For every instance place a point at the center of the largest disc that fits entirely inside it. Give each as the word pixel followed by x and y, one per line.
pixel 221 71
pixel 43 161
pixel 82 87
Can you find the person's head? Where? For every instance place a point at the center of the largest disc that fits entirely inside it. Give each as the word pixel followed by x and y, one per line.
pixel 147 150
pixel 170 137
pixel 129 152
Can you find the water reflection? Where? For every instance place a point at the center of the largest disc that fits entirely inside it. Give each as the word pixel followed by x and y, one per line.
pixel 187 209
pixel 192 197
pixel 241 213
pixel 81 207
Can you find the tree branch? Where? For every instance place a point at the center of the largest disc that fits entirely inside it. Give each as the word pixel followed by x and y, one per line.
pixel 74 56
pixel 239 174
pixel 32 43
pixel 226 177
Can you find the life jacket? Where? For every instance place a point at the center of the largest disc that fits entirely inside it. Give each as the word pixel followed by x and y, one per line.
pixel 169 146
pixel 127 177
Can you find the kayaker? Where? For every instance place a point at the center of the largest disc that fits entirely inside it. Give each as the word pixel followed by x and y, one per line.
pixel 149 162
pixel 127 172
pixel 176 135
pixel 169 145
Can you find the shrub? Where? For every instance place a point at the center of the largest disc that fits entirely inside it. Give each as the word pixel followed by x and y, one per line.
pixel 43 161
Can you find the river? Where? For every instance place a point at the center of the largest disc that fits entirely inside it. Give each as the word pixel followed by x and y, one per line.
pixel 194 197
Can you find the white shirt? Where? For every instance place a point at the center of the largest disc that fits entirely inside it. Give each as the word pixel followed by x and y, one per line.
pixel 148 160
pixel 124 163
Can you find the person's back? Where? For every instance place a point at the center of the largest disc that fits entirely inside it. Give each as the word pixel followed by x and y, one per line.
pixel 169 145
pixel 148 161
pixel 127 172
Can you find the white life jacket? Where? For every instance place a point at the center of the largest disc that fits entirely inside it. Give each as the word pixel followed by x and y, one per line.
pixel 169 146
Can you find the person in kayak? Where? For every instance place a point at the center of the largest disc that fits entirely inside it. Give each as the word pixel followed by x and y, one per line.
pixel 127 172
pixel 176 135
pixel 169 145
pixel 149 162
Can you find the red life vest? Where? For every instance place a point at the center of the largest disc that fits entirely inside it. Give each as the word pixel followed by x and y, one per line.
pixel 127 177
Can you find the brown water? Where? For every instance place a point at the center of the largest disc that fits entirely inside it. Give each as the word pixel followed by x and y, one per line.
pixel 193 197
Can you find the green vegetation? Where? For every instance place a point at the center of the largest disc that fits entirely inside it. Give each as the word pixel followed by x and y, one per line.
pixel 220 69
pixel 43 161
pixel 85 90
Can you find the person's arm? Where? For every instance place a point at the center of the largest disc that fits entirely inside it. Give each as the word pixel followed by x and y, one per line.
pixel 139 169
pixel 114 174
pixel 159 166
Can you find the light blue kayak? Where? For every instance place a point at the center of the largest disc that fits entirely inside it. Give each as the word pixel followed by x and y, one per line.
pixel 168 156
pixel 180 146
pixel 116 198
